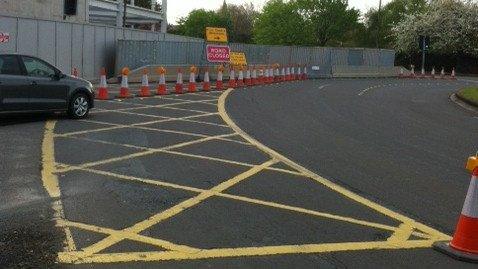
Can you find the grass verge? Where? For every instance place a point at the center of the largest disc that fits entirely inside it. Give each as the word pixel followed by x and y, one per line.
pixel 469 95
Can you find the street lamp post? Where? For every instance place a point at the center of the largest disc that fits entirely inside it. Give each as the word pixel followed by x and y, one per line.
pixel 379 22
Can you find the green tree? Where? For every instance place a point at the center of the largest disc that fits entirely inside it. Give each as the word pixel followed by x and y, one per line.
pixel 331 20
pixel 195 23
pixel 390 15
pixel 281 24
pixel 242 18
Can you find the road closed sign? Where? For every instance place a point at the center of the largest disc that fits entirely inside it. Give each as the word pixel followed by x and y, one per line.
pixel 218 54
pixel 4 37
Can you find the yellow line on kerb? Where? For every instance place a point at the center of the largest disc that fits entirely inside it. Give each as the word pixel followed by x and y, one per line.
pixel 435 234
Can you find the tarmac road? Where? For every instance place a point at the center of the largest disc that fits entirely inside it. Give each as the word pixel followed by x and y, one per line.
pixel 402 143
pixel 170 182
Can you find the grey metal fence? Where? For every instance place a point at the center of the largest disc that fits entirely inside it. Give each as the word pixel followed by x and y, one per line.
pixel 89 47
pixel 135 54
pixel 86 47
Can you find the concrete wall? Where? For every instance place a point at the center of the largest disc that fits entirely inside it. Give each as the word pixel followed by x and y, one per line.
pixel 43 9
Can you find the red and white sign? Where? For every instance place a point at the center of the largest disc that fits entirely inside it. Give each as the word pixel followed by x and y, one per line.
pixel 4 37
pixel 218 54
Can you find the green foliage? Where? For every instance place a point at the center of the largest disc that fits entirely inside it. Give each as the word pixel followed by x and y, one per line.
pixel 381 24
pixel 451 24
pixel 195 23
pixel 281 24
pixel 330 20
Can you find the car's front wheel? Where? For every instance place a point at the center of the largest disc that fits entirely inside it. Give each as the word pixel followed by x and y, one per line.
pixel 79 106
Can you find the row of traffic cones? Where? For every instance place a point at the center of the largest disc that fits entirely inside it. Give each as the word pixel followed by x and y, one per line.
pixel 253 77
pixel 432 75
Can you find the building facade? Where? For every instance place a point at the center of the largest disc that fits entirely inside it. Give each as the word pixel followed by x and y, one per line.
pixel 105 12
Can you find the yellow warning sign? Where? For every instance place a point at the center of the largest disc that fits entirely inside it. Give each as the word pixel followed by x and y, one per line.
pixel 216 34
pixel 238 58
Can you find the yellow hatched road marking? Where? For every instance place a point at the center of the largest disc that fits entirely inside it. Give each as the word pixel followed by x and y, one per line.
pixel 143 153
pixel 240 252
pixel 172 211
pixel 160 183
pixel 400 238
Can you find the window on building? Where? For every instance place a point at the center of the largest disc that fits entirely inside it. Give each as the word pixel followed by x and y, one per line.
pixel 71 7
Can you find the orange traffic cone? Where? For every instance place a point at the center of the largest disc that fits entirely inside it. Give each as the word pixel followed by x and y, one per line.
pixel 271 74
pixel 192 79
pixel 464 245
pixel 266 76
pixel 232 79
pixel 179 83
pixel 103 88
pixel 219 82
pixel 124 91
pixel 248 80
pixel 162 89
pixel 287 74
pixel 74 72
pixel 453 75
pixel 276 73
pixel 145 91
pixel 206 85
pixel 240 78
pixel 254 80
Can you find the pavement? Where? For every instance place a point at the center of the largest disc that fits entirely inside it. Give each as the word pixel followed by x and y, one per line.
pixel 335 173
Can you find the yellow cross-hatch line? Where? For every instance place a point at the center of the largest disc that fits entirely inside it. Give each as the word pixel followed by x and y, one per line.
pixel 399 239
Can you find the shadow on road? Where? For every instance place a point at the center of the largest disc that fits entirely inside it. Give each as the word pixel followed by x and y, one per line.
pixel 13 119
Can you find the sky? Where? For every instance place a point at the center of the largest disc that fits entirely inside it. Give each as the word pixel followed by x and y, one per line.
pixel 180 8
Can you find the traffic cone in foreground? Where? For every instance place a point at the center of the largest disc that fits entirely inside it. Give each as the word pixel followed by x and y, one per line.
pixel 103 88
pixel 162 90
pixel 240 79
pixel 179 83
pixel 192 79
pixel 277 74
pixel 401 74
pixel 124 91
pixel 464 245
pixel 282 74
pixel 433 72
pixel 145 91
pixel 271 75
pixel 442 73
pixel 206 85
pixel 232 79
pixel 305 73
pixel 412 73
pixel 219 83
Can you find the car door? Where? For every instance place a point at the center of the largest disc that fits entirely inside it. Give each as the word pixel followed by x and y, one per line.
pixel 47 90
pixel 14 85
